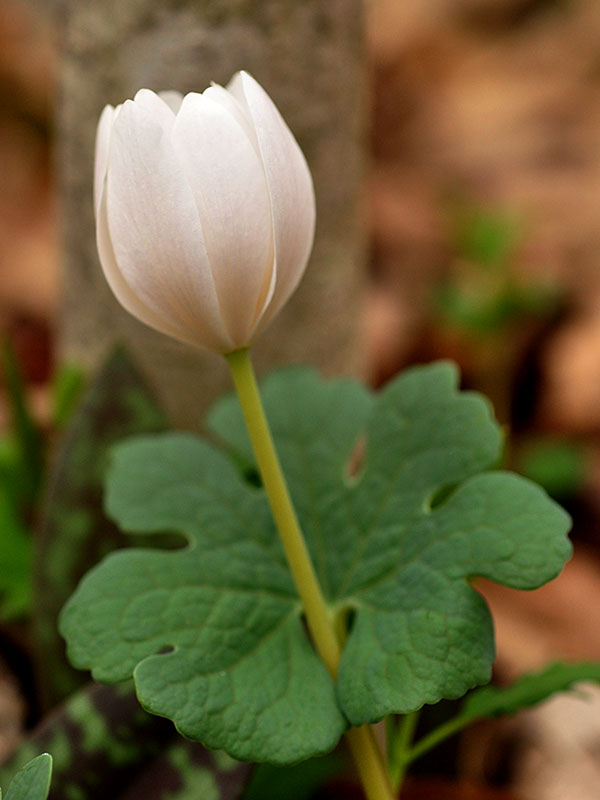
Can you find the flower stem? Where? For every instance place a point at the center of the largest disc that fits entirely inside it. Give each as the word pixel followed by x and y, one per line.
pixel 318 619
pixel 317 616
pixel 369 763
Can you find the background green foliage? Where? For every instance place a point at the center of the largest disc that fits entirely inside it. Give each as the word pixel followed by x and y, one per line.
pixel 73 531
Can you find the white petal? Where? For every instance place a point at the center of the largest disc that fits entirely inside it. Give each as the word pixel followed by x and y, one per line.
pixel 161 111
pixel 119 286
pixel 155 230
pixel 290 188
pixel 172 98
pixel 230 190
pixel 237 110
pixel 103 132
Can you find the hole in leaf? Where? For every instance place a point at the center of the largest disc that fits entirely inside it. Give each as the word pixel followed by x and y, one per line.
pixel 164 541
pixel 305 626
pixel 348 619
pixel 252 476
pixel 168 648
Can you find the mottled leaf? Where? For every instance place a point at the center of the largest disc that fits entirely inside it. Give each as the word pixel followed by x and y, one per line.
pixel 105 746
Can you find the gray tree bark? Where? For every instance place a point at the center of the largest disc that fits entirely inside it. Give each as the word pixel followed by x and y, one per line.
pixel 308 56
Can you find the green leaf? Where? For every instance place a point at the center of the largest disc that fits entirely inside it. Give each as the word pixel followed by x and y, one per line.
pixel 212 633
pixel 241 675
pixel 529 690
pixel 33 781
pixel 26 430
pixel 67 385
pixel 491 701
pixel 15 561
pixel 11 469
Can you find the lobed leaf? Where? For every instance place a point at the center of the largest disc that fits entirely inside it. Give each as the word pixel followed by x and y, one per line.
pixel 399 516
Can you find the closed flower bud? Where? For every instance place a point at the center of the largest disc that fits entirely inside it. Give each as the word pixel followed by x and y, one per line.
pixel 205 211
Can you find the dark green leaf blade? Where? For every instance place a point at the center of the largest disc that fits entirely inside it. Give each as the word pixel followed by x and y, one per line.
pixel 239 673
pixel 316 425
pixel 424 634
pixel 32 782
pixel 385 548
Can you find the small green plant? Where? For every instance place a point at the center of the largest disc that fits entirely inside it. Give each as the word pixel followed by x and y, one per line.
pixel 32 782
pixel 557 464
pixel 212 632
pixel 306 569
pixel 22 472
pixel 482 296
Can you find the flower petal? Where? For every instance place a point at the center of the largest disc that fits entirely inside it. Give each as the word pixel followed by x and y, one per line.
pixel 290 188
pixel 155 230
pixel 237 110
pixel 230 190
pixel 162 112
pixel 130 301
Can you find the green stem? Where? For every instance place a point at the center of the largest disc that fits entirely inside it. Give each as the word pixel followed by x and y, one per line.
pixel 437 736
pixel 317 615
pixel 369 763
pixel 400 735
pixel 320 622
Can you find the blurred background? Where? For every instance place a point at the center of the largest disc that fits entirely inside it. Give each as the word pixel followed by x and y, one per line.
pixel 482 215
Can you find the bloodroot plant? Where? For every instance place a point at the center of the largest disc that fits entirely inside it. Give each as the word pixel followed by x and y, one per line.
pixel 300 609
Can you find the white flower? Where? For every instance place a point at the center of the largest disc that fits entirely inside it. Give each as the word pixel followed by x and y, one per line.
pixel 205 211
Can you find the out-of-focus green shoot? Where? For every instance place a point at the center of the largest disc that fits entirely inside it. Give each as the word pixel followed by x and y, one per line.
pixel 22 466
pixel 486 313
pixel 559 465
pixel 65 390
pixel 482 296
pixel 27 441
